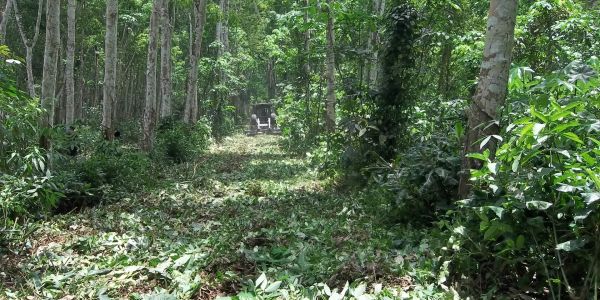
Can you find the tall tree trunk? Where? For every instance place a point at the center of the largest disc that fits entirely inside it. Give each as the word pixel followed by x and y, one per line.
pixel 374 65
pixel 150 103
pixel 110 70
pixel 271 79
pixel 29 44
pixel 222 30
pixel 493 85
pixel 80 86
pixel 50 68
pixel 190 115
pixel 70 66
pixel 331 101
pixel 166 85
pixel 4 21
pixel 444 76
pixel 306 66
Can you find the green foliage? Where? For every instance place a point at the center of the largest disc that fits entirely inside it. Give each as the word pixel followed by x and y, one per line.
pixel 26 183
pixel 542 187
pixel 392 107
pixel 178 142
pixel 424 179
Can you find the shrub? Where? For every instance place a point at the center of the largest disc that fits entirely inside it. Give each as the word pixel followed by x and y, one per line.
pixel 534 217
pixel 26 183
pixel 424 178
pixel 179 142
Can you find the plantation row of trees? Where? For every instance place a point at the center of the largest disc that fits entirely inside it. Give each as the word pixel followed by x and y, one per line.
pixel 480 117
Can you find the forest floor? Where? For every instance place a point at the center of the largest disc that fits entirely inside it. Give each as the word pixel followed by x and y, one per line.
pixel 213 227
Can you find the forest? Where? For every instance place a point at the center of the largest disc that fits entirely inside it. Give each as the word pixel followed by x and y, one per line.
pixel 299 149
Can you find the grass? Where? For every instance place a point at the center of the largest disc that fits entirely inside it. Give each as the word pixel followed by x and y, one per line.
pixel 245 220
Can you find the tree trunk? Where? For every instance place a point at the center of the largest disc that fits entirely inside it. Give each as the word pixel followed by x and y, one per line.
pixel 190 115
pixel 492 87
pixel 444 76
pixel 29 44
pixel 374 64
pixel 330 102
pixel 150 103
pixel 306 66
pixel 50 68
pixel 166 85
pixel 222 31
pixel 70 67
pixel 4 21
pixel 271 80
pixel 110 70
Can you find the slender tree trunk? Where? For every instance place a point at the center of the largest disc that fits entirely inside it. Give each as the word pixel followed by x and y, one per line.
pixel 306 66
pixel 81 86
pixel 150 103
pixel 330 114
pixel 110 70
pixel 493 84
pixel 374 63
pixel 190 115
pixel 166 85
pixel 29 44
pixel 444 76
pixel 70 67
pixel 4 21
pixel 271 80
pixel 50 68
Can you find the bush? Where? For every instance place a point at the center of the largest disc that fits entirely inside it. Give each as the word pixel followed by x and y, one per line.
pixel 424 178
pixel 26 183
pixel 178 142
pixel 534 219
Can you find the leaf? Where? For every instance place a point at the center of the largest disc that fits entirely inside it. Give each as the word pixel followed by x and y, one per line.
pixel 484 142
pixel 594 178
pixel 538 205
pixel 572 245
pixel 497 210
pixel 537 128
pixel 273 287
pixel 538 115
pixel 478 156
pixel 493 167
pixel 565 188
pixel 181 261
pixel 161 296
pixel 460 230
pixel 359 290
pixel 520 242
pixel 591 198
pixel 516 163
pixel 572 136
pixel 261 278
pixel 565 153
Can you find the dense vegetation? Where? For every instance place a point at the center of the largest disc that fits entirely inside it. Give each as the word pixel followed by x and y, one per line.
pixel 428 149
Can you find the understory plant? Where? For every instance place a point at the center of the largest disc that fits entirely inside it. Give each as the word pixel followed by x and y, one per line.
pixel 533 222
pixel 26 183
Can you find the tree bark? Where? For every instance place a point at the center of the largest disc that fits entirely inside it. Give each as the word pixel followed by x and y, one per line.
pixel 29 44
pixel 271 80
pixel 330 114
pixel 150 103
pixel 70 66
pixel 492 87
pixel 190 115
pixel 374 64
pixel 166 85
pixel 50 68
pixel 306 67
pixel 110 70
pixel 4 21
